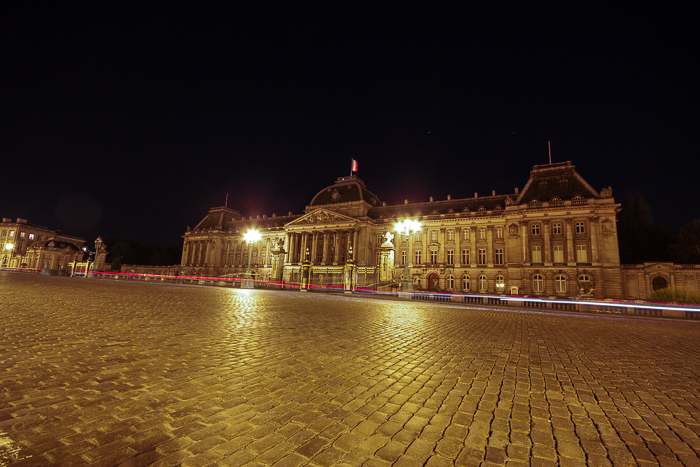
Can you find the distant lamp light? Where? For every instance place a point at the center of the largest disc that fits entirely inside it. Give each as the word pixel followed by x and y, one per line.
pixel 9 246
pixel 251 236
pixel 407 227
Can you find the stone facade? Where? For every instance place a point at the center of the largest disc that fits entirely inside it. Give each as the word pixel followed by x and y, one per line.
pixel 26 245
pixel 554 238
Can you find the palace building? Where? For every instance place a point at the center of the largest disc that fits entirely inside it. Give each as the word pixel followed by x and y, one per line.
pixel 555 238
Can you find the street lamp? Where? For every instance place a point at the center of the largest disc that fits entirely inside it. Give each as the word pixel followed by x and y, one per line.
pixel 251 236
pixel 407 227
pixel 98 244
pixel 8 248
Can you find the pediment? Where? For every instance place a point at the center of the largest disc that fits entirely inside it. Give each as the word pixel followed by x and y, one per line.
pixel 322 217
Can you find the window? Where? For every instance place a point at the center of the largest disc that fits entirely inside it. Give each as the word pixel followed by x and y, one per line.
pixel 536 254
pixel 3 233
pixel 465 257
pixel 580 228
pixel 482 234
pixel 499 232
pixel 537 283
pixel 558 253
pixel 379 239
pixel 465 282
pixel 403 258
pixel 12 233
pixel 450 235
pixel 560 283
pixel 499 256
pixel 433 235
pixel 450 257
pixel 433 256
pixel 465 233
pixel 22 234
pixel 417 255
pixel 581 254
pixel 556 229
pixel 419 236
pixel 482 283
pixel 584 278
pixel 500 284
pixel 31 236
pixel 535 229
pixel 482 256
pixel 450 282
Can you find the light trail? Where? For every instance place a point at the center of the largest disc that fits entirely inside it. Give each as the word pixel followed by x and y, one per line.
pixel 297 285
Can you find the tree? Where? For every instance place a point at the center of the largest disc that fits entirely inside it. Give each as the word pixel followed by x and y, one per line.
pixel 640 238
pixel 686 248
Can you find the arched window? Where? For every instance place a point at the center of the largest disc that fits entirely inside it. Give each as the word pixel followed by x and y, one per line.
pixel 450 279
pixel 537 283
pixel 560 283
pixel 465 282
pixel 500 284
pixel 482 283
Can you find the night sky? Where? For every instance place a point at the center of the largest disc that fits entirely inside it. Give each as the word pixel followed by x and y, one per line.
pixel 132 120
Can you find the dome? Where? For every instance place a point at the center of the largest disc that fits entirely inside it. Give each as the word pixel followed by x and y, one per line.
pixel 345 190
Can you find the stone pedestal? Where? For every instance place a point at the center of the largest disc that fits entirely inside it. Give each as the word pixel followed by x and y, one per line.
pixel 386 262
pixel 305 276
pixel 350 276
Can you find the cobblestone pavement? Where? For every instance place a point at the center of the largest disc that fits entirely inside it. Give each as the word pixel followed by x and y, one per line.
pixel 109 373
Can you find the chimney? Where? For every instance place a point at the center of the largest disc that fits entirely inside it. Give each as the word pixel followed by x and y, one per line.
pixel 476 195
pixel 431 199
pixel 274 215
pixel 493 192
pixel 516 190
pixel 290 213
pixel 449 197
pixel 405 201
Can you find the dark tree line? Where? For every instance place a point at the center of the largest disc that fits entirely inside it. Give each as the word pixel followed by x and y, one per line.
pixel 641 239
pixel 122 251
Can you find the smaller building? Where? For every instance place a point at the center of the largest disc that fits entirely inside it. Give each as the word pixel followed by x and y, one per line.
pixel 27 245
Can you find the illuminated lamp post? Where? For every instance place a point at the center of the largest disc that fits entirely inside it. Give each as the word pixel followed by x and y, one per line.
pixel 47 270
pixel 98 245
pixel 8 248
pixel 407 227
pixel 251 236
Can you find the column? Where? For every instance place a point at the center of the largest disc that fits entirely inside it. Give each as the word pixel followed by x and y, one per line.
pixel 523 230
pixel 292 246
pixel 593 221
pixel 570 258
pixel 442 240
pixel 314 245
pixel 547 244
pixel 336 257
pixel 458 247
pixel 355 234
pixel 185 249
pixel 325 248
pixel 347 246
pixel 472 252
pixel 489 245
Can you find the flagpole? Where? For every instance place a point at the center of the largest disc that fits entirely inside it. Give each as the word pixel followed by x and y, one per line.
pixel 549 144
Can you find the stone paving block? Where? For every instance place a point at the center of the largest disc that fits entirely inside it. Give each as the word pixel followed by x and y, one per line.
pixel 316 367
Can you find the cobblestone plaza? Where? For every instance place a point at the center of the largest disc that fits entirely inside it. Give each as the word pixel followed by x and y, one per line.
pixel 120 373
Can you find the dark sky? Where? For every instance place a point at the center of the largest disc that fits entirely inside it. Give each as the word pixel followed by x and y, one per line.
pixel 132 120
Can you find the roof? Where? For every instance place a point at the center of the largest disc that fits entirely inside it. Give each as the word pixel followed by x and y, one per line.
pixel 482 204
pixel 58 245
pixel 345 190
pixel 558 180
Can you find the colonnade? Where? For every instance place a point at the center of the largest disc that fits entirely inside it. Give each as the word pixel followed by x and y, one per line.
pixel 325 246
